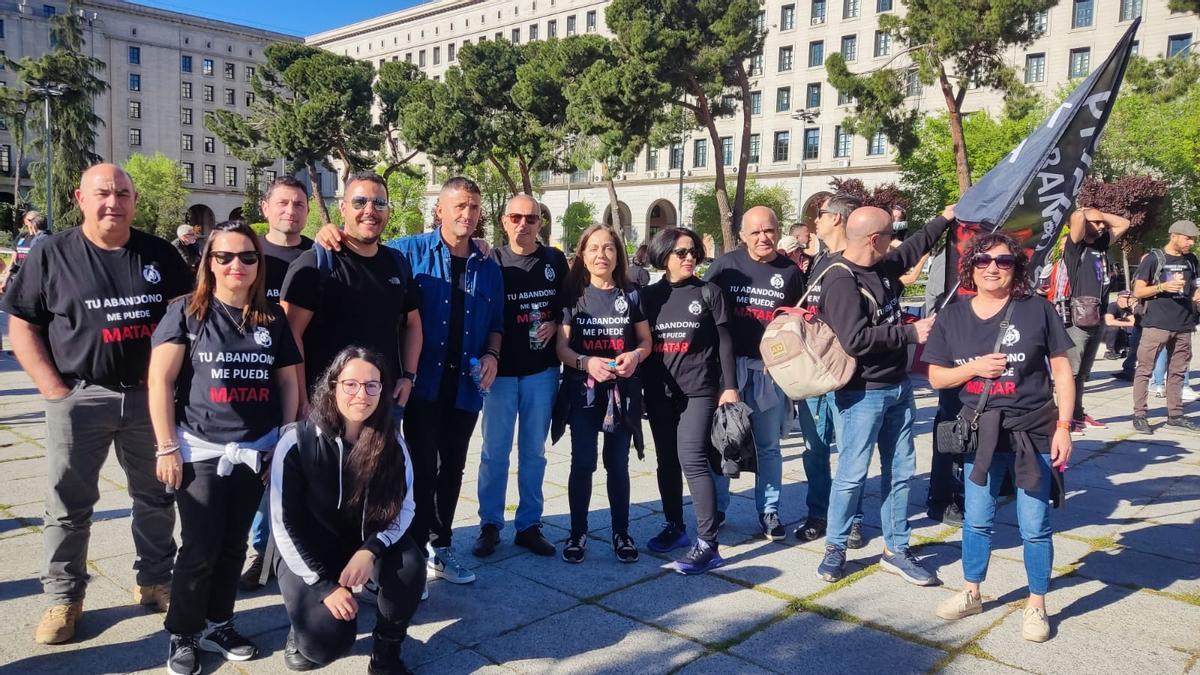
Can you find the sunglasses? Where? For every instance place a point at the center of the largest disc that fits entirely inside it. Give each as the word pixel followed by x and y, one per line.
pixel 226 257
pixel 361 202
pixel 352 387
pixel 682 253
pixel 517 218
pixel 1004 262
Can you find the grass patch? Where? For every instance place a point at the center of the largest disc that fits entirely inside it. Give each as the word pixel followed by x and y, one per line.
pixel 1095 543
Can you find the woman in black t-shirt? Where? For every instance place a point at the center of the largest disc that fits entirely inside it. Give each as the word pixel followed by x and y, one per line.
pixel 691 365
pixel 1020 429
pixel 602 340
pixel 221 383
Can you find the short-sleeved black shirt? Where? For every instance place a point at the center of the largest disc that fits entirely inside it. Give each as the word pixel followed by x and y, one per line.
pixel 1173 312
pixel 1087 267
pixel 755 289
pixel 683 324
pixel 278 258
pixel 602 322
pixel 533 292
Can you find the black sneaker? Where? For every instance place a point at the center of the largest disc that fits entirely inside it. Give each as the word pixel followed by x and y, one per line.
pixel 701 558
pixel 575 548
pixel 252 579
pixel 385 658
pixel 1123 375
pixel 1141 426
pixel 771 527
pixel 485 545
pixel 672 537
pixel 810 530
pixel 624 547
pixel 292 658
pixel 532 539
pixel 226 641
pixel 182 658
pixel 1182 422
pixel 856 538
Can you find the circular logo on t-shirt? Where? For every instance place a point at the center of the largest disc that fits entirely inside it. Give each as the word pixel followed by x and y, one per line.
pixel 262 336
pixel 549 273
pixel 777 281
pixel 150 274
pixel 620 305
pixel 694 308
pixel 1011 337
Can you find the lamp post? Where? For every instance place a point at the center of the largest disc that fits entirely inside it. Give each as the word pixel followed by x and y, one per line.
pixel 682 122
pixel 803 116
pixel 47 90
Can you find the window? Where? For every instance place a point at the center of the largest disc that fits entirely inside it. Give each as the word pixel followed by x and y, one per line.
pixel 760 23
pixel 785 59
pixel 676 156
pixel 1081 13
pixel 878 145
pixel 1179 44
pixel 883 43
pixel 135 137
pixel 499 36
pixel 591 21
pixel 883 5
pixel 206 67
pixel 185 116
pixel 210 144
pixel 755 148
pixel 210 174
pixel 782 140
pixel 812 143
pixel 1130 9
pixel 437 55
pixel 1135 48
pixel 570 25
pixel 249 99
pixel 818 12
pixel 250 71
pixel 189 172
pixel 844 98
pixel 700 153
pixel 230 97
pixel 552 28
pixel 533 32
pixel 816 53
pixel 185 64
pixel 1035 68
pixel 48 11
pixel 756 64
pixel 185 90
pixel 516 36
pixel 1081 62
pixel 135 55
pixel 270 175
pixel 210 94
pixel 849 9
pixel 1 28
pixel 408 57
pixel 6 158
pixel 652 158
pixel 850 48
pixel 787 17
pixel 727 150
pixel 812 98
pixel 913 84
pixel 1039 23
pixel 230 71
pixel 231 176
pixel 135 110
pixel 783 99
pixel 135 82
pixel 841 142
pixel 421 59
pixel 187 143
pixel 756 103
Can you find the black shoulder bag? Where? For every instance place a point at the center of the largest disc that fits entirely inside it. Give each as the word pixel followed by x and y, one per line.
pixel 960 436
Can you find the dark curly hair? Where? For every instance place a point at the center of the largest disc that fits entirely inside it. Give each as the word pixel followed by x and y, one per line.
pixel 982 243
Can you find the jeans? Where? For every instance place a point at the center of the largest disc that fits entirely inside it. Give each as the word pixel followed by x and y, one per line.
pixel 945 487
pixel 585 445
pixel 869 416
pixel 820 423
pixel 1033 518
pixel 1130 361
pixel 437 433
pixel 1160 371
pixel 766 425
pixel 527 403
pixel 260 528
pixel 1082 357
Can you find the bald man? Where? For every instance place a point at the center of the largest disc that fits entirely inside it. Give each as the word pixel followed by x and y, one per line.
pixel 860 299
pixel 82 312
pixel 757 281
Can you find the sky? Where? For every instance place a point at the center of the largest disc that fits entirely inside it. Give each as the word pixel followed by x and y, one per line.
pixel 296 17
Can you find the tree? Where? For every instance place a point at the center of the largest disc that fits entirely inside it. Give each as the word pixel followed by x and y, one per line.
pixel 162 198
pixel 956 45
pixel 578 217
pixel 406 190
pixel 707 218
pixel 15 106
pixel 396 84
pixel 1185 6
pixel 693 55
pixel 250 146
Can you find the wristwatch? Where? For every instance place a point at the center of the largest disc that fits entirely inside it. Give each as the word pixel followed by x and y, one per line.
pixel 579 362
pixel 410 376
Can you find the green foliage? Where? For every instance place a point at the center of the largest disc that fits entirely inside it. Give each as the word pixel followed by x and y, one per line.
pixel 162 198
pixel 260 229
pixel 1185 6
pixel 706 217
pixel 316 219
pixel 8 223
pixel 249 144
pixel 577 218
pixel 252 199
pixel 407 194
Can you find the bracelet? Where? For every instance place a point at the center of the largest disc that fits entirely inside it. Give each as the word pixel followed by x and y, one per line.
pixel 493 353
pixel 1063 424
pixel 167 451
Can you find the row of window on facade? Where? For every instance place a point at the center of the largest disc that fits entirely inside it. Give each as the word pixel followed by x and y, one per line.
pixel 210 174
pixel 818 13
pixel 786 60
pixel 1080 62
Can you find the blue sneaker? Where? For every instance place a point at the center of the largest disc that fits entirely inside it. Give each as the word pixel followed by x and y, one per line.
pixel 833 565
pixel 909 568
pixel 702 558
pixel 672 537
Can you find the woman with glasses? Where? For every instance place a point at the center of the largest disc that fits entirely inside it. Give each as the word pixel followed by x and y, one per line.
pixel 602 340
pixel 689 373
pixel 221 384
pixel 341 506
pixel 1020 429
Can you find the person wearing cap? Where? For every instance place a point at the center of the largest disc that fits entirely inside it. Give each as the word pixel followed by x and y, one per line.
pixel 1119 321
pixel 793 249
pixel 1166 283
pixel 185 243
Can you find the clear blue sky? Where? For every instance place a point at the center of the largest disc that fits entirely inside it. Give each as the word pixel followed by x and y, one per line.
pixel 297 17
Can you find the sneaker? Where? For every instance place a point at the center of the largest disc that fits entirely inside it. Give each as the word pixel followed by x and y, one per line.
pixel 533 539
pixel 157 596
pixel 1190 395
pixel 624 547
pixel 58 623
pixel 385 658
pixel 771 527
pixel 226 641
pixel 1111 356
pixel 1159 390
pixel 1093 423
pixel 720 519
pixel 1077 427
pixel 575 548
pixel 1035 627
pixel 1182 422
pixel 443 564
pixel 253 578
pixel 856 538
pixel 1141 426
pixel 672 537
pixel 485 545
pixel 952 515
pixel 369 593
pixel 960 606
pixel 182 658
pixel 810 530
pixel 908 567
pixel 292 658
pixel 833 565
pixel 702 557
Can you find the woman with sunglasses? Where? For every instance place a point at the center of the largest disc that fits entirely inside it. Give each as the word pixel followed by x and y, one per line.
pixel 691 365
pixel 602 340
pixel 221 384
pixel 341 506
pixel 1020 428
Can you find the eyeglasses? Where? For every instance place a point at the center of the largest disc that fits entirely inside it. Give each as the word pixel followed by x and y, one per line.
pixel 821 212
pixel 1005 261
pixel 516 218
pixel 361 202
pixel 226 257
pixel 682 253
pixel 352 387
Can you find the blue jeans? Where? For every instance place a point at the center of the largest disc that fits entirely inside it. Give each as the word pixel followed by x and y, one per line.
pixel 870 416
pixel 1033 517
pixel 260 528
pixel 767 482
pixel 821 423
pixel 526 403
pixel 1160 371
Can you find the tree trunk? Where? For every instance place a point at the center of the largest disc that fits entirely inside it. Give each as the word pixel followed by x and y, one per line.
pixel 19 141
pixel 526 181
pixel 705 117
pixel 315 182
pixel 739 199
pixel 613 204
pixel 1125 265
pixel 962 165
pixel 512 185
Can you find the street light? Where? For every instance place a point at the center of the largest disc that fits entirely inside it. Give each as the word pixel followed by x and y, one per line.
pixel 47 90
pixel 804 116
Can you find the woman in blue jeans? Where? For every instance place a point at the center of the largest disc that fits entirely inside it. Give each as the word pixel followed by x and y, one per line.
pixel 1020 429
pixel 603 339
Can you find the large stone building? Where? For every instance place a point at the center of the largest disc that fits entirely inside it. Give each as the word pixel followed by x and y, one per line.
pixel 788 79
pixel 165 71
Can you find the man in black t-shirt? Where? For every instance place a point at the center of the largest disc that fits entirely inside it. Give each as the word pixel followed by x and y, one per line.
pixel 1168 285
pixel 1119 321
pixel 81 315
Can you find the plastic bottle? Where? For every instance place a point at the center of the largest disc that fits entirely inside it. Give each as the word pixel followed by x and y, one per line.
pixel 477 376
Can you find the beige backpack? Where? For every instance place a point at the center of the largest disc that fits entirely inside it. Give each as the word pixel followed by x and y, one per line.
pixel 801 352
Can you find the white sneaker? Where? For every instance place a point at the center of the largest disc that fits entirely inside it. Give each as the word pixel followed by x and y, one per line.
pixel 1190 395
pixel 1159 390
pixel 444 565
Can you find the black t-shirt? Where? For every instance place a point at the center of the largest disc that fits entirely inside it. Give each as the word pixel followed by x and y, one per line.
pixel 278 258
pixel 755 290
pixel 1118 313
pixel 533 293
pixel 683 326
pixel 1034 334
pixel 638 276
pixel 602 322
pixel 1173 312
pixel 454 336
pixel 226 389
pixel 1087 267
pixel 100 307
pixel 365 302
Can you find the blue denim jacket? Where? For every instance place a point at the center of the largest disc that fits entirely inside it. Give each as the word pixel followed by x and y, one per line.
pixel 483 312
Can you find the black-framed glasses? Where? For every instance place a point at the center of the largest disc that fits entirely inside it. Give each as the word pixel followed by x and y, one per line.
pixel 1005 261
pixel 352 387
pixel 517 218
pixel 682 253
pixel 360 202
pixel 226 257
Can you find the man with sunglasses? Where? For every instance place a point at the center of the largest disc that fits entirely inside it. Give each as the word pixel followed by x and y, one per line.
pixel 82 311
pixel 526 383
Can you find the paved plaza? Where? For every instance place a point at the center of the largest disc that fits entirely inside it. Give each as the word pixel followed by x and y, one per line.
pixel 1125 596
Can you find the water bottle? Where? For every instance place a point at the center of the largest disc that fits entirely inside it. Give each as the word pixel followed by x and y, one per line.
pixel 477 376
pixel 534 343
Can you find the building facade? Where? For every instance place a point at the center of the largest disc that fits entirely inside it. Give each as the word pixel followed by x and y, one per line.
pixel 166 71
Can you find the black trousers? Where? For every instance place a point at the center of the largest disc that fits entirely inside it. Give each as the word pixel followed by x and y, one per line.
pixel 683 444
pixel 437 434
pixel 945 474
pixel 214 518
pixel 1116 338
pixel 322 639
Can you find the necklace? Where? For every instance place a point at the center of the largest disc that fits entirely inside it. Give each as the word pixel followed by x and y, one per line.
pixel 241 325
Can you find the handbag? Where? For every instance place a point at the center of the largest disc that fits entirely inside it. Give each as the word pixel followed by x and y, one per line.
pixel 1085 312
pixel 960 436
